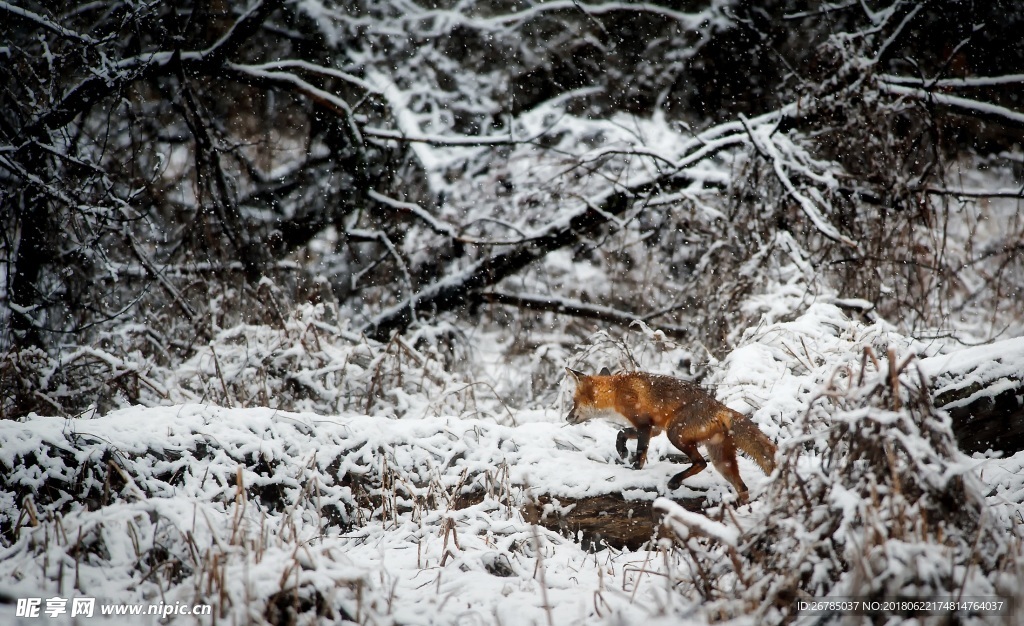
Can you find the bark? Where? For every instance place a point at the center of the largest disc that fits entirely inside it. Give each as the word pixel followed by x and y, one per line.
pixel 986 416
pixel 982 389
pixel 604 520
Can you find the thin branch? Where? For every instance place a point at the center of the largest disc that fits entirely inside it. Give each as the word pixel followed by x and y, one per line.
pixel 575 308
pixel 769 149
pixel 969 82
pixel 313 68
pixel 324 98
pixel 1017 194
pixel 820 11
pixel 152 270
pixel 892 38
pixel 446 141
pixel 381 237
pixel 435 225
pixel 98 86
pixel 45 23
pixel 446 20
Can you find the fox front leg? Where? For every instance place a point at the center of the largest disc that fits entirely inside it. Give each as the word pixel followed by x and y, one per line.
pixel 642 434
pixel 620 441
pixel 643 439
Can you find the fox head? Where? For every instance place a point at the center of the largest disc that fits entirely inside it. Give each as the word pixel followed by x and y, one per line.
pixel 584 401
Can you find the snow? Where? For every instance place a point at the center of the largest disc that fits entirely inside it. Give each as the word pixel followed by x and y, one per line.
pixel 685 523
pixel 398 557
pixel 413 514
pixel 398 489
pixel 961 369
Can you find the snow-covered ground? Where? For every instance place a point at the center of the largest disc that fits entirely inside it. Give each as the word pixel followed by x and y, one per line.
pixel 490 556
pixel 418 517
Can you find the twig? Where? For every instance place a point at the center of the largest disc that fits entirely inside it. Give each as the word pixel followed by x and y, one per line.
pixel 216 367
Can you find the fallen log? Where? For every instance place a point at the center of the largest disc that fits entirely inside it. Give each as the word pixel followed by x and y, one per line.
pixel 982 389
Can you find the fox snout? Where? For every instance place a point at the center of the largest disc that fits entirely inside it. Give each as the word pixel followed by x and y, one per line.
pixel 573 417
pixel 578 414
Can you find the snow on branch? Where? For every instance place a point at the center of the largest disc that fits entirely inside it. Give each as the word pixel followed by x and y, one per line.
pixel 1017 193
pixel 442 21
pixel 686 524
pixel 575 308
pixel 313 68
pixel 442 141
pixel 320 96
pixel 968 82
pixel 772 149
pixel 100 85
pixel 272 72
pixel 604 209
pixel 455 290
pixel 975 108
pixel 241 30
pixel 408 127
pixel 690 21
pixel 435 224
pixel 45 23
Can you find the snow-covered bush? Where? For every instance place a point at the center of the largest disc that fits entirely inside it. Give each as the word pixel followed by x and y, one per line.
pixel 871 501
pixel 312 361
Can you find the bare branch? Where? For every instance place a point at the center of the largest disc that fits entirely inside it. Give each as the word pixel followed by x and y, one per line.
pixel 575 308
pixel 45 23
pixel 381 237
pixel 98 86
pixel 152 270
pixel 969 82
pixel 964 106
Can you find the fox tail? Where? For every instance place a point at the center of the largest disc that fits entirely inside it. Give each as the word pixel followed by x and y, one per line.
pixel 753 442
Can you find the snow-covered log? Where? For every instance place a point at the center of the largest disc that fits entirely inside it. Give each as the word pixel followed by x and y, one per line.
pixel 982 388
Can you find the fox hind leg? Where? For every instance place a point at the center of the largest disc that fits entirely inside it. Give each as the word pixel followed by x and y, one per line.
pixel 696 466
pixel 723 457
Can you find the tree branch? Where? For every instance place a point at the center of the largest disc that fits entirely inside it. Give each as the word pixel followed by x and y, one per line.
pixel 575 308
pixel 964 106
pixel 98 86
pixel 456 291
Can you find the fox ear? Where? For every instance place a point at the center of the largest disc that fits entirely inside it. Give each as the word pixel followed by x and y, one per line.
pixel 575 375
pixel 605 372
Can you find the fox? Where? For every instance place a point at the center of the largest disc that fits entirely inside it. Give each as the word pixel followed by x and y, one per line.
pixel 648 404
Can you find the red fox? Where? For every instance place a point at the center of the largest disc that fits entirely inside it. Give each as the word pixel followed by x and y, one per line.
pixel 648 404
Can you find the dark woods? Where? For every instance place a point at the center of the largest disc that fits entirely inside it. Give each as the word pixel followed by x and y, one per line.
pixel 173 169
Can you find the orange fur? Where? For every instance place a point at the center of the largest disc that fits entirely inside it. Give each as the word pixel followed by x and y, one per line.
pixel 649 404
